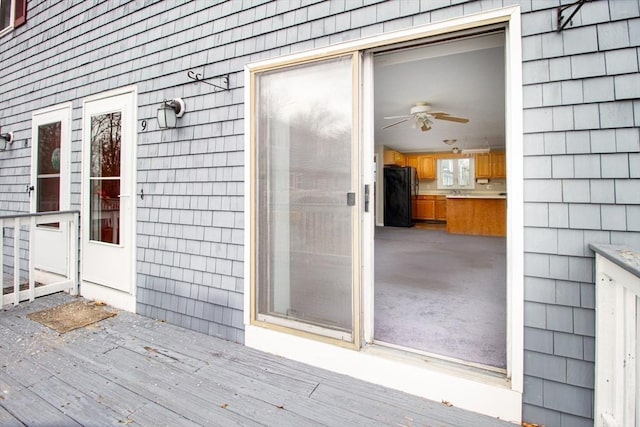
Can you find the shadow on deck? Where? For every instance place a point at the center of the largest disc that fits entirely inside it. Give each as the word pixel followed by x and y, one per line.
pixel 134 370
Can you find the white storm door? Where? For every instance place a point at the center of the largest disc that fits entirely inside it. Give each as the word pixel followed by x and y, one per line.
pixel 50 164
pixel 107 188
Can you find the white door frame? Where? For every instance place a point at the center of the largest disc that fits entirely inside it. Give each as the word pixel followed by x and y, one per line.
pixel 125 297
pixel 464 387
pixel 47 257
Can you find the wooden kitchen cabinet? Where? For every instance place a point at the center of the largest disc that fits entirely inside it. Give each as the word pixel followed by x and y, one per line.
pixel 393 158
pixel 412 161
pixel 483 165
pixel 425 207
pixel 478 216
pixel 491 165
pixel 498 165
pixel 427 167
pixel 441 208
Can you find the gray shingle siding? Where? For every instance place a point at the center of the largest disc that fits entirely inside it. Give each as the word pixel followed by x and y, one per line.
pixel 581 142
pixel 578 86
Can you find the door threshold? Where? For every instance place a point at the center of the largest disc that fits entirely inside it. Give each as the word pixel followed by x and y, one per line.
pixel 435 359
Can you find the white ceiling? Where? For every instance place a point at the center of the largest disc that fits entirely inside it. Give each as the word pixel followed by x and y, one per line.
pixel 464 78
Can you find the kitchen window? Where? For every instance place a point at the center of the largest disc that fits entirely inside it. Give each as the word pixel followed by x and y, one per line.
pixel 456 174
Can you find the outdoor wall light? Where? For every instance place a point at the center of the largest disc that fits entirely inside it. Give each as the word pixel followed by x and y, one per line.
pixel 5 139
pixel 169 112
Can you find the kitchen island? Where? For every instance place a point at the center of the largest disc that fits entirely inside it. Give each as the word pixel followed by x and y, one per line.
pixel 482 215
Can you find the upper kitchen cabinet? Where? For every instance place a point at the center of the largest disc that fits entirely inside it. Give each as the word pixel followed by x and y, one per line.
pixel 426 167
pixel 498 165
pixel 424 164
pixel 491 165
pixel 483 165
pixel 413 161
pixel 393 158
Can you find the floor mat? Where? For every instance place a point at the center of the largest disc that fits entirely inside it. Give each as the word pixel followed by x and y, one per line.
pixel 74 315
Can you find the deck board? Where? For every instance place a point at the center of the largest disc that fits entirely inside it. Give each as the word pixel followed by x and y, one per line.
pixel 30 408
pixel 134 370
pixel 8 420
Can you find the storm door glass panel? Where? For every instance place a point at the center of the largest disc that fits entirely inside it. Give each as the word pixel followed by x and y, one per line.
pixel 304 120
pixel 48 169
pixel 104 185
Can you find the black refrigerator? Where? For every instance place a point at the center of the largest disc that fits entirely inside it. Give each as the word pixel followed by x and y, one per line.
pixel 400 185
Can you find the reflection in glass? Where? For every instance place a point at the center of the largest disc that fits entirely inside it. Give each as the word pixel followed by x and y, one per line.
pixel 48 170
pixel 105 178
pixel 304 230
pixel 105 145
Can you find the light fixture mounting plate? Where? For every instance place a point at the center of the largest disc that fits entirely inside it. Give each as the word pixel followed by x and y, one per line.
pixel 179 106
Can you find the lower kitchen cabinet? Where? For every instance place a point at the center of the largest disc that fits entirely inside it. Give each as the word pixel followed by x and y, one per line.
pixel 430 208
pixel 426 207
pixel 441 208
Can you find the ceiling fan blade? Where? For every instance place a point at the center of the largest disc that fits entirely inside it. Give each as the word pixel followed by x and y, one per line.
pixel 396 123
pixel 445 116
pixel 405 116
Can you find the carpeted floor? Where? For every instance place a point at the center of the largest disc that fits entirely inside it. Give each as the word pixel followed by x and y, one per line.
pixel 441 293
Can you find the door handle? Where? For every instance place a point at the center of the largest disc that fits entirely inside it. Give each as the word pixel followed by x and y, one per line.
pixel 351 199
pixel 366 198
pixel 123 195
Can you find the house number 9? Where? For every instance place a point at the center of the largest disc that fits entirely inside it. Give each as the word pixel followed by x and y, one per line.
pixel 143 124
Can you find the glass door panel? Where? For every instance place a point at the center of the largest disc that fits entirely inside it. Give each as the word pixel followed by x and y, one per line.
pixel 48 169
pixel 106 130
pixel 304 220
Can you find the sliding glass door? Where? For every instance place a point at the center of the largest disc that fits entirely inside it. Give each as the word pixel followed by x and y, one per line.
pixel 305 207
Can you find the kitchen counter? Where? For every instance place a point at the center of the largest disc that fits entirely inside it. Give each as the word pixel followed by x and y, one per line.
pixel 465 193
pixel 482 216
pixel 476 196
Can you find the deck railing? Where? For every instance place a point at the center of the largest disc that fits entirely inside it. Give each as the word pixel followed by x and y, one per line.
pixel 617 367
pixel 39 281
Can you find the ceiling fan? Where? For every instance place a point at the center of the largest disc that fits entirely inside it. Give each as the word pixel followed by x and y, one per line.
pixel 423 117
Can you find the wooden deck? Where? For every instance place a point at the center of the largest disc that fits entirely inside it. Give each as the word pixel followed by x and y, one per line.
pixel 134 370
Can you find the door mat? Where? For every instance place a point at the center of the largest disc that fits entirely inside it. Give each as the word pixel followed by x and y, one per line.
pixel 74 315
